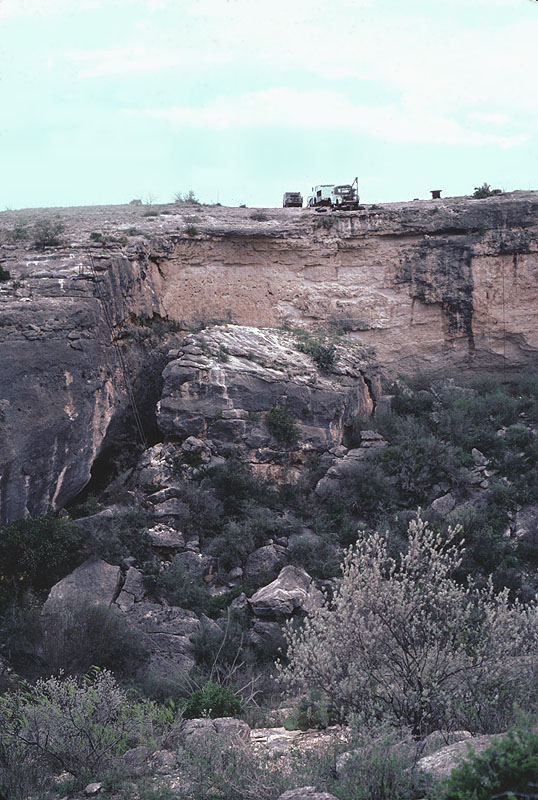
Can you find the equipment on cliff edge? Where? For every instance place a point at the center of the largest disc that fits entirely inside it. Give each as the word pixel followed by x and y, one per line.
pixel 342 196
pixel 292 200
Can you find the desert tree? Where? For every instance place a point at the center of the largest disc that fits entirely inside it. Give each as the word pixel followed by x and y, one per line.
pixel 402 641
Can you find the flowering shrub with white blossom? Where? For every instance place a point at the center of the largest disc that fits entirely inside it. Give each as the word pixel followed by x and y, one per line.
pixel 402 641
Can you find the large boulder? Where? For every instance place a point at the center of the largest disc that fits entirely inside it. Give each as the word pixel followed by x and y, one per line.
pixel 167 633
pixel 133 589
pixel 441 763
pixel 293 589
pixel 93 583
pixel 268 637
pixel 225 380
pixel 264 564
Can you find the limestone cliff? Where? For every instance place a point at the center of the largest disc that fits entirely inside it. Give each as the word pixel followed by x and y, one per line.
pixel 432 285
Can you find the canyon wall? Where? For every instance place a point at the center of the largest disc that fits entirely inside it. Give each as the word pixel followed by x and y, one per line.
pixel 429 285
pixel 435 285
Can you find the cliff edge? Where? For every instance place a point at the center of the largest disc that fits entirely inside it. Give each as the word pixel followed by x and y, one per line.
pixel 435 285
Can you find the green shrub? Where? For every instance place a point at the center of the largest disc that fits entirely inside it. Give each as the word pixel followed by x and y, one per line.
pixel 205 510
pixel 480 192
pixel 46 232
pixel 237 488
pixel 258 216
pixel 191 230
pixel 240 537
pixel 281 425
pixel 5 274
pixel 311 712
pixel 19 233
pixel 486 546
pixel 320 347
pixel 317 555
pixel 78 726
pixel 184 588
pixel 212 700
pixel 418 460
pixel 117 537
pixel 35 553
pixel 367 490
pixel 507 769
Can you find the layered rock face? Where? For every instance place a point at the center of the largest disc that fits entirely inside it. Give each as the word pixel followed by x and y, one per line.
pixel 432 285
pixel 253 390
pixel 438 285
pixel 67 375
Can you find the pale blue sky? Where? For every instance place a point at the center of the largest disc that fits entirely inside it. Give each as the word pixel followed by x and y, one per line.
pixel 103 101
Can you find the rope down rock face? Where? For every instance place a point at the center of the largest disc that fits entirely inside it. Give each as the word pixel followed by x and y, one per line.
pixel 431 285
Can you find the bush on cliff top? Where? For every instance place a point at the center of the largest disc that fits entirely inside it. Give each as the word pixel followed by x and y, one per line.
pixel 46 232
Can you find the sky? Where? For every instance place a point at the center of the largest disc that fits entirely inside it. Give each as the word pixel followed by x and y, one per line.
pixel 105 101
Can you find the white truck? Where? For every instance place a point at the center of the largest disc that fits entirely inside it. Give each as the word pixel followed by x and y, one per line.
pixel 343 196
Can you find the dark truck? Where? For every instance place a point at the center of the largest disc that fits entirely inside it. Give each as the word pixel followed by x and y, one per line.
pixel 292 200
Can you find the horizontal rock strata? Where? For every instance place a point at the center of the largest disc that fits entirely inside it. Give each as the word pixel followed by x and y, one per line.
pixel 444 284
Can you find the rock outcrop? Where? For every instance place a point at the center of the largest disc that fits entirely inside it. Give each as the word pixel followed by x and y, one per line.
pixel 69 371
pixel 441 763
pixel 166 632
pixel 434 285
pixel 93 583
pixel 293 589
pixel 225 383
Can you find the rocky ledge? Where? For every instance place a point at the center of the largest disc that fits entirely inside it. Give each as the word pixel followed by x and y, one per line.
pixel 255 392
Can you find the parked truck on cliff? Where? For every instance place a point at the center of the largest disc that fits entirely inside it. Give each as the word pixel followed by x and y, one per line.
pixel 344 196
pixel 292 200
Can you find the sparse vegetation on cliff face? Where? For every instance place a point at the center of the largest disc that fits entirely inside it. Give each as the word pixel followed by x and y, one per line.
pixel 281 425
pixel 319 346
pixel 401 641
